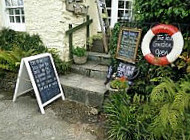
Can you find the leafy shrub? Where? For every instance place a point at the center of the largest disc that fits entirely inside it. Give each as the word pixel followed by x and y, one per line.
pixel 61 66
pixel 121 118
pixel 10 39
pixel 16 45
pixel 10 60
pixel 162 116
pixel 171 101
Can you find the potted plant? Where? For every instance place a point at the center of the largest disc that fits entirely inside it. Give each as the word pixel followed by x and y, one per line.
pixel 79 55
pixel 118 84
pixel 96 43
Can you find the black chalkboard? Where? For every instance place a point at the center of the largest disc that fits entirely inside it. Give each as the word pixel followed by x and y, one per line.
pixel 45 78
pixel 126 70
pixel 161 45
pixel 128 43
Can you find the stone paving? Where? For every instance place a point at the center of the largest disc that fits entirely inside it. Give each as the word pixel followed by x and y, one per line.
pixel 23 121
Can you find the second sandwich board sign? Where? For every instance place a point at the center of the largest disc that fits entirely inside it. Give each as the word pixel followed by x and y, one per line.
pixel 39 73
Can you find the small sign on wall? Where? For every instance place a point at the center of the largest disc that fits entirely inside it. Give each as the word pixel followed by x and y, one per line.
pixel 38 72
pixel 128 44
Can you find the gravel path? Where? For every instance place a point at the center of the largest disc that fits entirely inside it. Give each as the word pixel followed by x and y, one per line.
pixel 64 120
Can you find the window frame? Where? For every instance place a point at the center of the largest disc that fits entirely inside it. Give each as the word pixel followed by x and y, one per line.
pixel 18 23
pixel 114 11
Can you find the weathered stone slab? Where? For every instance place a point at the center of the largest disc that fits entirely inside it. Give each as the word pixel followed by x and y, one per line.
pixel 83 89
pixel 101 58
pixel 91 69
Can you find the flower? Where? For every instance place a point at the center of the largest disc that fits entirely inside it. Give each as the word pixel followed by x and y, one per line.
pixel 122 79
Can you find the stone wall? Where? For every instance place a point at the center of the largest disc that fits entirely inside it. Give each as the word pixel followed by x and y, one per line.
pixel 50 19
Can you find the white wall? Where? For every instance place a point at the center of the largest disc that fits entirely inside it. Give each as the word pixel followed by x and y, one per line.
pixel 1 14
pixel 50 20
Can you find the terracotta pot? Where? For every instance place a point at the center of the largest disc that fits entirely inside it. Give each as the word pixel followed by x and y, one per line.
pixel 79 60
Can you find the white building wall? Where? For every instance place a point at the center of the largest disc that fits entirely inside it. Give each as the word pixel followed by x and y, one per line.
pixel 50 20
pixel 1 14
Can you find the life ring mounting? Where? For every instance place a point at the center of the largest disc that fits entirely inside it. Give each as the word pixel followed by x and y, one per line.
pixel 176 50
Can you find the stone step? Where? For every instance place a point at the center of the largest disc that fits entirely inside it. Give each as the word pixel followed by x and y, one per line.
pixel 102 58
pixel 91 69
pixel 83 89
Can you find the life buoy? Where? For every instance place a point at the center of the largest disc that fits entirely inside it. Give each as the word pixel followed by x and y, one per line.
pixel 178 43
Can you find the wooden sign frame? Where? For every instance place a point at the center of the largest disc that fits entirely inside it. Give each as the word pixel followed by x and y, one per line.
pixel 26 81
pixel 118 56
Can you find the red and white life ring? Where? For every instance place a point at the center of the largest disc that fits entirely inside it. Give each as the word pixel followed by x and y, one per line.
pixel 178 43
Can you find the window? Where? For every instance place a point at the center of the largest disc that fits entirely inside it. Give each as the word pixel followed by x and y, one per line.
pixel 108 7
pixel 119 10
pixel 15 14
pixel 124 10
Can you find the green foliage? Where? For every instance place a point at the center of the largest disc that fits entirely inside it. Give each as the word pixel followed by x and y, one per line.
pixel 61 66
pixel 121 117
pixel 166 11
pixel 113 44
pixel 10 60
pixel 119 83
pixel 2 74
pixel 183 63
pixel 16 45
pixel 125 117
pixel 114 39
pixel 162 116
pixel 79 51
pixel 10 39
pixel 160 110
pixel 172 101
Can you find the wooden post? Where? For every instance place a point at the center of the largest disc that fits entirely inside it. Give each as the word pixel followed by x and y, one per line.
pixel 87 32
pixel 70 43
pixel 73 29
pixel 103 24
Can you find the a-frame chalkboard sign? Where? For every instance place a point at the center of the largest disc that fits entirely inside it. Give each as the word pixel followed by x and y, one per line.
pixel 39 73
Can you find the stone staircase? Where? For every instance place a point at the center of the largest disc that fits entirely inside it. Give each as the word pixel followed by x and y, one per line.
pixel 85 83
